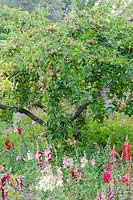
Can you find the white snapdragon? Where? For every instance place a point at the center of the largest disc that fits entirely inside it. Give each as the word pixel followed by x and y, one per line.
pixel 47 182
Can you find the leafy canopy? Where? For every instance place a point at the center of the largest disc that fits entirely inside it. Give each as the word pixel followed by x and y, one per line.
pixel 57 66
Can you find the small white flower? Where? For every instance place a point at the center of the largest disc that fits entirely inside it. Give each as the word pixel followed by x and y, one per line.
pixel 30 155
pixel 49 182
pixel 46 183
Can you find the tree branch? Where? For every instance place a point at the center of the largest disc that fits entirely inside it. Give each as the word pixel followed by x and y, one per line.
pixel 24 111
pixel 73 116
pixel 79 110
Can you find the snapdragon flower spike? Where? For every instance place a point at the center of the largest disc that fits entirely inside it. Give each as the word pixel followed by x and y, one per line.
pixel 101 197
pixel 21 183
pixel 3 194
pixel 108 168
pixel 47 169
pixel 59 178
pixel 110 194
pixel 19 130
pixel 67 162
pixel 84 162
pixel 38 156
pixel 77 173
pixel 1 168
pixel 7 144
pixel 41 164
pixel 126 150
pixel 4 179
pixel 48 156
pixel 106 174
pixel 125 180
pixel 3 183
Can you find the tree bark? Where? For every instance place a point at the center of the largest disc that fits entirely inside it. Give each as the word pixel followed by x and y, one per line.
pixel 29 114
pixel 79 110
pixel 24 111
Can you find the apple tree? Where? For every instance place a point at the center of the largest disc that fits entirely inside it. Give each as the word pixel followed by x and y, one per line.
pixel 63 68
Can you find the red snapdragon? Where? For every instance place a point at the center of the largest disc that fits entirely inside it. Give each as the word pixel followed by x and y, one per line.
pixel 19 130
pixel 126 150
pixel 106 174
pixel 7 144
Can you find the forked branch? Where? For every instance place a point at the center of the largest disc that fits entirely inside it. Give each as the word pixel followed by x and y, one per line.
pixel 24 111
pixel 79 110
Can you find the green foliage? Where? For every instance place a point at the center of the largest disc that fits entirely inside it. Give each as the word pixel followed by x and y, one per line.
pixel 82 4
pixel 57 9
pixel 115 129
pixel 61 65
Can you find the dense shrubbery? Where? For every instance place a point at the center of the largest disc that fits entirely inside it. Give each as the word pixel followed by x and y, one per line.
pixel 115 128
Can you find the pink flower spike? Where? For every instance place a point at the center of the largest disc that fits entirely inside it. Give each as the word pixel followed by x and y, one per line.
pixel 108 168
pixel 93 162
pixel 47 169
pixel 1 168
pixel 18 158
pixel 67 162
pixel 83 161
pixel 59 172
pixel 59 181
pixel 125 179
pixel 113 153
pixel 38 155
pixel 101 197
pixel 10 130
pixel 48 156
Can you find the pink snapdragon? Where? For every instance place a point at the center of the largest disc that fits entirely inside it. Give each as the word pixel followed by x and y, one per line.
pixel 38 155
pixel 93 162
pixel 67 162
pixel 110 194
pixel 101 197
pixel 1 168
pixel 18 158
pixel 125 180
pixel 48 156
pixel 47 169
pixel 108 168
pixel 59 179
pixel 84 162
